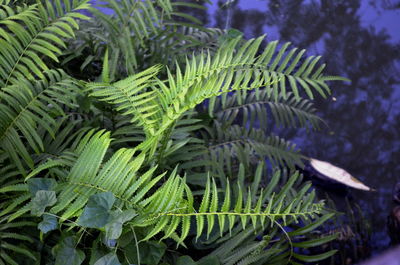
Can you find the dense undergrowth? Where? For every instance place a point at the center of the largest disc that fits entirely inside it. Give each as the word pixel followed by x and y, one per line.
pixel 143 137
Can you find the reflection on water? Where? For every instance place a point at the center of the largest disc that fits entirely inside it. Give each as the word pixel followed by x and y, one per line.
pixel 359 40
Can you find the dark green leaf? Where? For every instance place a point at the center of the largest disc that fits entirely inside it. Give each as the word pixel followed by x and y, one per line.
pixel 96 214
pixel 312 226
pixel 209 260
pixel 66 254
pixel 42 199
pixel 49 223
pixel 315 242
pixel 114 226
pixel 185 260
pixel 314 258
pixel 36 184
pixel 109 259
pixel 151 252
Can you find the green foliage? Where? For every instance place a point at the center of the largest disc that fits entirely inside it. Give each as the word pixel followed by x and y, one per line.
pixel 165 144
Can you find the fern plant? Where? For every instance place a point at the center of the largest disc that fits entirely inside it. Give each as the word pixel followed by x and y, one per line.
pixel 157 150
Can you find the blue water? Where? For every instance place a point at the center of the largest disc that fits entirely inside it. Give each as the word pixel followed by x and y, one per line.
pixel 361 41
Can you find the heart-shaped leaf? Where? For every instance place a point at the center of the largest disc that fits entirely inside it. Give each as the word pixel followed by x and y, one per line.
pixel 109 259
pixel 114 226
pixel 49 223
pixel 36 184
pixel 66 254
pixel 96 214
pixel 42 199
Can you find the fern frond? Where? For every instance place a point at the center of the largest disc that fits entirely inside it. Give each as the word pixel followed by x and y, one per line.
pixel 254 108
pixel 118 175
pixel 245 144
pixel 10 234
pixel 131 96
pixel 133 22
pixel 242 210
pixel 29 105
pixel 231 68
pixel 36 31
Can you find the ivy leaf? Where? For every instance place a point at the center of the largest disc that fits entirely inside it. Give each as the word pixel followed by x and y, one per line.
pixel 66 254
pixel 36 184
pixel 49 223
pixel 185 260
pixel 42 199
pixel 96 213
pixel 114 226
pixel 151 252
pixel 109 259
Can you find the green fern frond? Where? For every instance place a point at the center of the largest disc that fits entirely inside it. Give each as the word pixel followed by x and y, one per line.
pixel 29 105
pixel 10 251
pixel 253 109
pixel 228 213
pixel 131 96
pixel 243 144
pixel 231 68
pixel 132 24
pixel 118 175
pixel 39 30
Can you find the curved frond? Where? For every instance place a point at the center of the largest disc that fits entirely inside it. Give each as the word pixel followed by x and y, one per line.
pixel 220 214
pixel 255 109
pixel 247 144
pixel 233 67
pixel 39 30
pixel 29 105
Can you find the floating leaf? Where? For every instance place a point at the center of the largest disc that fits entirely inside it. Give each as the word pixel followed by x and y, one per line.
pixel 48 224
pixel 337 174
pixel 42 199
pixel 66 254
pixel 109 259
pixel 96 214
pixel 114 226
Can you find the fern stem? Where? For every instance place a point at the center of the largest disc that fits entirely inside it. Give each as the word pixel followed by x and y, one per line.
pixel 239 214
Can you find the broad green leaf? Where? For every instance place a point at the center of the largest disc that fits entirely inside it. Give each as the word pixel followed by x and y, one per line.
pixel 114 226
pixel 109 259
pixel 48 224
pixel 185 260
pixel 37 184
pixel 66 254
pixel 42 199
pixel 151 252
pixel 96 214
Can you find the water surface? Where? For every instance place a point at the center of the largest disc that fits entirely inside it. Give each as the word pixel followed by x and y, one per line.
pixel 359 40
